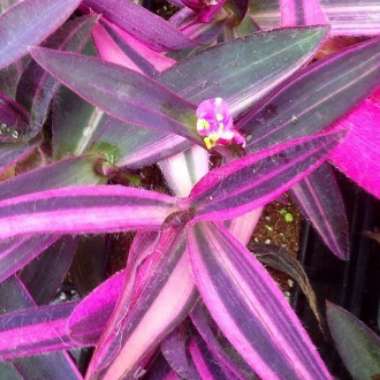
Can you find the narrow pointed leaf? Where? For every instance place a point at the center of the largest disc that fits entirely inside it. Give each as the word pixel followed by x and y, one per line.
pixel 13 120
pixel 319 95
pixel 84 209
pixel 305 12
pixel 36 87
pixel 142 24
pixel 122 93
pixel 249 308
pixel 265 60
pixel 29 22
pixel 56 365
pixel 358 346
pixel 34 331
pixel 43 282
pixel 322 203
pixel 256 179
pixel 158 305
pixel 358 154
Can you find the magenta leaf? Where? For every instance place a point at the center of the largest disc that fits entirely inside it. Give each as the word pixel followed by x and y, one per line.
pixel 142 24
pixel 138 99
pixel 317 97
pixel 28 23
pixel 321 202
pixel 249 308
pixel 161 299
pixel 36 87
pixel 34 330
pixel 305 12
pixel 218 345
pixel 13 120
pixel 358 154
pixel 84 209
pixel 56 365
pixel 257 179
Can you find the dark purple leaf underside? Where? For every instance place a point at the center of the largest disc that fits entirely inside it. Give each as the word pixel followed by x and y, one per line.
pixel 28 23
pixel 316 98
pixel 84 209
pixel 142 24
pixel 36 87
pixel 257 179
pixel 321 202
pixel 249 307
pixel 122 93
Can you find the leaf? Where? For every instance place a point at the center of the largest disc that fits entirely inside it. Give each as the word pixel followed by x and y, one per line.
pixel 13 120
pixel 84 209
pixel 141 24
pixel 249 308
pixel 357 345
pixel 40 278
pixel 306 12
pixel 57 365
pixel 358 154
pixel 218 344
pixel 160 370
pixel 10 154
pixel 161 299
pixel 257 179
pixel 121 92
pixel 242 71
pixel 322 203
pixel 316 98
pixel 36 87
pixel 280 259
pixel 28 23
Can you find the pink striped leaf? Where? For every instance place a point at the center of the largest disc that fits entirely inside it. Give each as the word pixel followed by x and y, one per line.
pixel 316 98
pixel 55 365
pixel 141 24
pixel 304 12
pixel 34 331
pixel 257 179
pixel 84 209
pixel 13 120
pixel 121 92
pixel 322 203
pixel 249 307
pixel 358 154
pixel 218 345
pixel 28 23
pixel 162 297
pixel 36 87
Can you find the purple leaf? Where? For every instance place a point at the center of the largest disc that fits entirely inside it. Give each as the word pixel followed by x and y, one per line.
pixel 321 202
pixel 218 345
pixel 249 308
pixel 84 209
pixel 55 365
pixel 257 179
pixel 305 12
pixel 10 154
pixel 17 252
pixel 141 24
pixel 43 282
pixel 316 98
pixel 138 99
pixel 36 87
pixel 161 300
pixel 174 350
pixel 13 120
pixel 34 330
pixel 358 154
pixel 160 370
pixel 28 23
